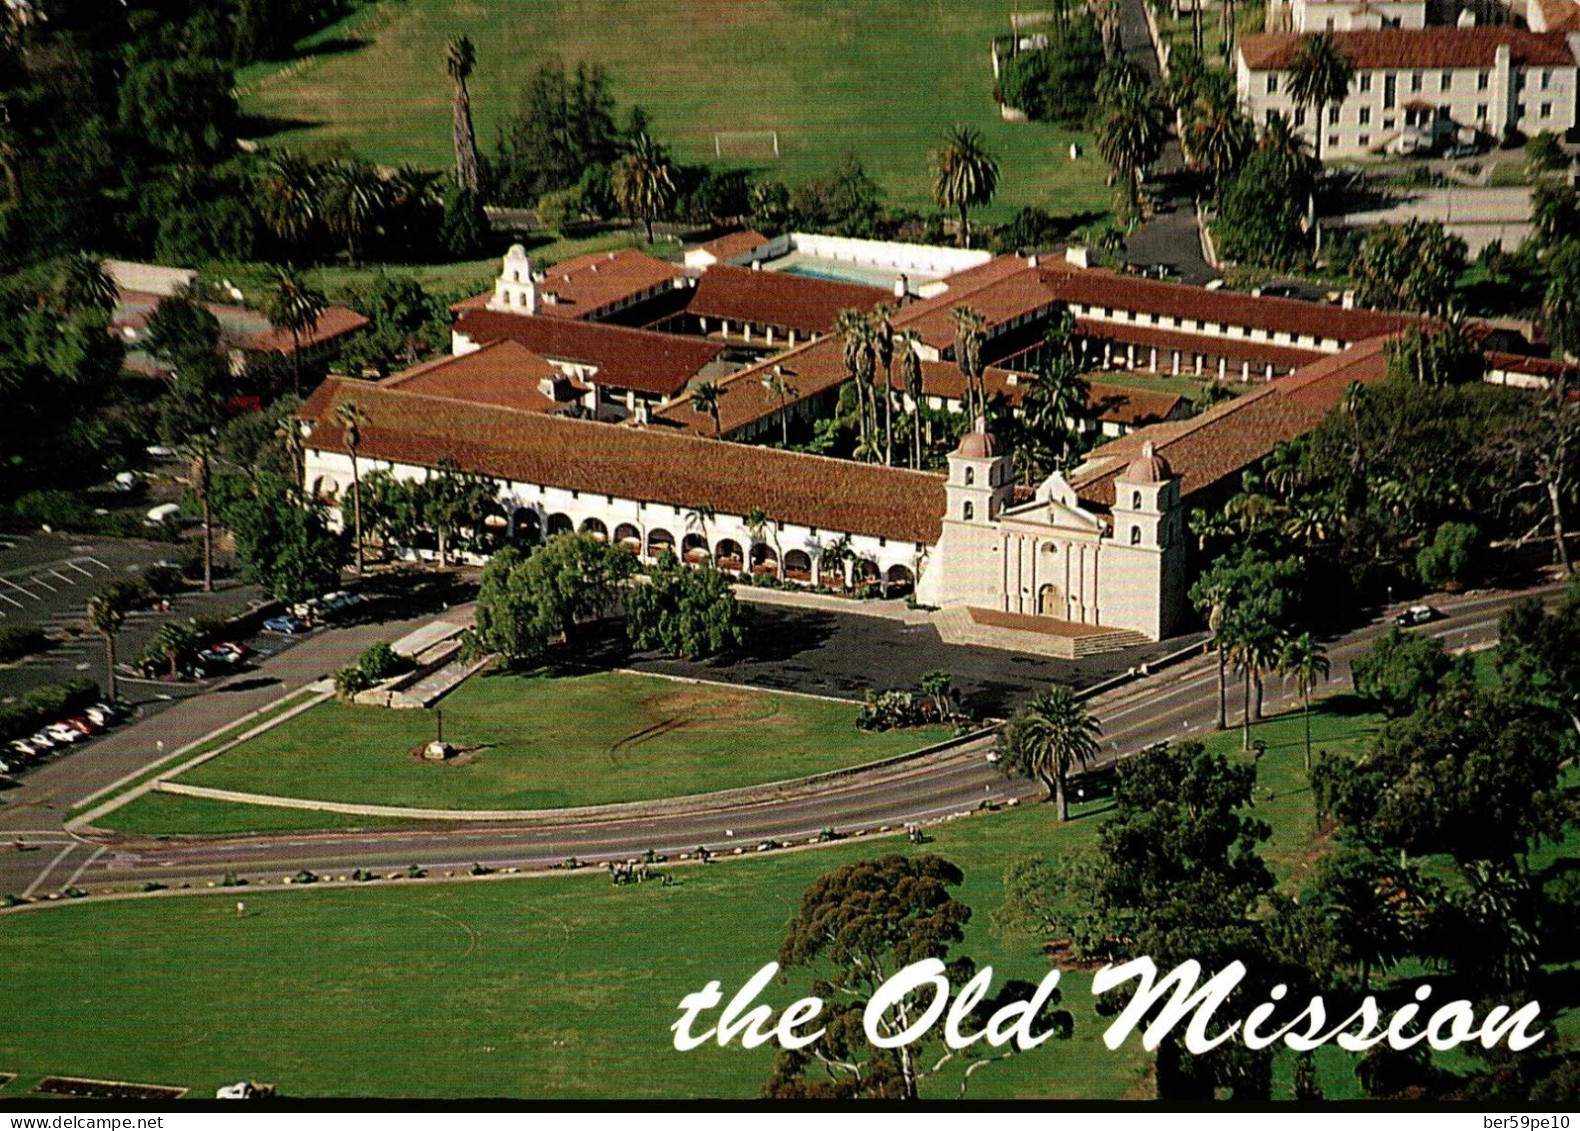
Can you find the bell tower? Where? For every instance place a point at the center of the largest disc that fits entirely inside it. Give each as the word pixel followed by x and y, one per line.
pixel 980 483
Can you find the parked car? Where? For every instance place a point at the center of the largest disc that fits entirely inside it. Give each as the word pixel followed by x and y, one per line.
pixel 287 624
pixel 98 714
pixel 25 749
pixel 64 734
pixel 1462 150
pixel 222 655
pixel 1414 615
pixel 161 514
pixel 43 741
pixel 83 725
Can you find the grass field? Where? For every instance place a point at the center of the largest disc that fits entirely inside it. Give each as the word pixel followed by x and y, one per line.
pixel 543 741
pixel 881 78
pixel 553 988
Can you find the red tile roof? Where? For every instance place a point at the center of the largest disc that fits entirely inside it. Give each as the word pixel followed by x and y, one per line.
pixel 587 284
pixel 775 298
pixel 503 373
pixel 335 322
pixel 1259 353
pixel 1103 288
pixel 1231 436
pixel 1008 291
pixel 647 362
pixel 1560 15
pixel 644 464
pixel 736 243
pixel 1406 48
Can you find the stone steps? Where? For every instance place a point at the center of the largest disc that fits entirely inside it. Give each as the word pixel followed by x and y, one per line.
pixel 956 626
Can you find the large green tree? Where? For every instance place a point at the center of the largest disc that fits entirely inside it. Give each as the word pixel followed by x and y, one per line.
pixel 1047 738
pixel 685 611
pixel 965 176
pixel 527 602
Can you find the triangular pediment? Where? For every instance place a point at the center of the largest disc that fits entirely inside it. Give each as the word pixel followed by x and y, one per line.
pixel 1054 515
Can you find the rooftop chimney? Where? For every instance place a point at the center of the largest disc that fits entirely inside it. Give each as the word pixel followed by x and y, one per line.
pixel 902 287
pixel 1077 256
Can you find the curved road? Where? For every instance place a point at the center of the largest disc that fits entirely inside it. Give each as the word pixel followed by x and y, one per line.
pixel 1175 704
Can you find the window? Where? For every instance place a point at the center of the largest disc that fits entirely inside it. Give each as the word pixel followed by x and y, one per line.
pixel 1333 115
pixel 1547 79
pixel 1482 80
pixel 1415 82
pixel 1366 84
pixel 1365 140
pixel 1269 116
pixel 1135 535
pixel 1272 82
pixel 1388 123
pixel 1445 81
pixel 1366 116
pixel 1333 140
pixel 969 512
pixel 1135 500
pixel 1390 90
pixel 971 476
pixel 1481 111
pixel 1547 109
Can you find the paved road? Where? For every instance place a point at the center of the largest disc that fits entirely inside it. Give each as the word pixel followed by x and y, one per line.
pixel 1173 705
pixel 1170 238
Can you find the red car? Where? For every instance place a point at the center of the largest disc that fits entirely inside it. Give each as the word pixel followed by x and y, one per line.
pixel 82 723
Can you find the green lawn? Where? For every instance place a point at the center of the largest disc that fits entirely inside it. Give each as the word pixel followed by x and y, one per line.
pixel 171 814
pixel 882 78
pixel 552 988
pixel 1186 387
pixel 543 741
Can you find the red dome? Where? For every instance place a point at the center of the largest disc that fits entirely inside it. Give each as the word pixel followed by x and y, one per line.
pixel 978 445
pixel 1150 468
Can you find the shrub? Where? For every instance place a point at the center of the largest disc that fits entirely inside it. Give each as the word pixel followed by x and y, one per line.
pixel 45 705
pixel 1452 557
pixel 380 662
pixel 890 709
pixel 17 640
pixel 350 680
pixel 163 580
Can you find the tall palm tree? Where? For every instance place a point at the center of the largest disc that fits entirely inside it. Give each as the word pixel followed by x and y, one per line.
pixel 460 57
pixel 1279 138
pixel 705 398
pixel 1131 134
pixel 1306 660
pixel 354 419
pixel 107 611
pixel 855 331
pixel 1255 652
pixel 969 333
pixel 1218 136
pixel 778 382
pixel 294 305
pixel 965 176
pixel 644 182
pixel 883 343
pixel 1059 733
pixel 911 378
pixel 1319 74
pixel 288 203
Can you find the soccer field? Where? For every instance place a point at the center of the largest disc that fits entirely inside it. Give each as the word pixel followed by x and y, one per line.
pixel 881 78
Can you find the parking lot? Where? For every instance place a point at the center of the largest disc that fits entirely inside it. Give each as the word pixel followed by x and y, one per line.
pixel 46 580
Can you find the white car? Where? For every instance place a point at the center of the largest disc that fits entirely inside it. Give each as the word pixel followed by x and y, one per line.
pixel 61 732
pixel 43 740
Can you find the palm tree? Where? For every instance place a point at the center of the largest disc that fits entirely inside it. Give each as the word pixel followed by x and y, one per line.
pixel 1255 652
pixel 965 176
pixel 84 284
pixel 107 611
pixel 288 198
pixel 295 306
pixel 1306 660
pixel 969 333
pixel 776 381
pixel 705 398
pixel 459 59
pixel 1218 136
pixel 758 524
pixel 354 419
pixel 1057 733
pixel 1217 624
pixel 911 377
pixel 699 517
pixel 855 331
pixel 174 642
pixel 352 197
pixel 644 182
pixel 883 343
pixel 1131 134
pixel 1289 149
pixel 1319 74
